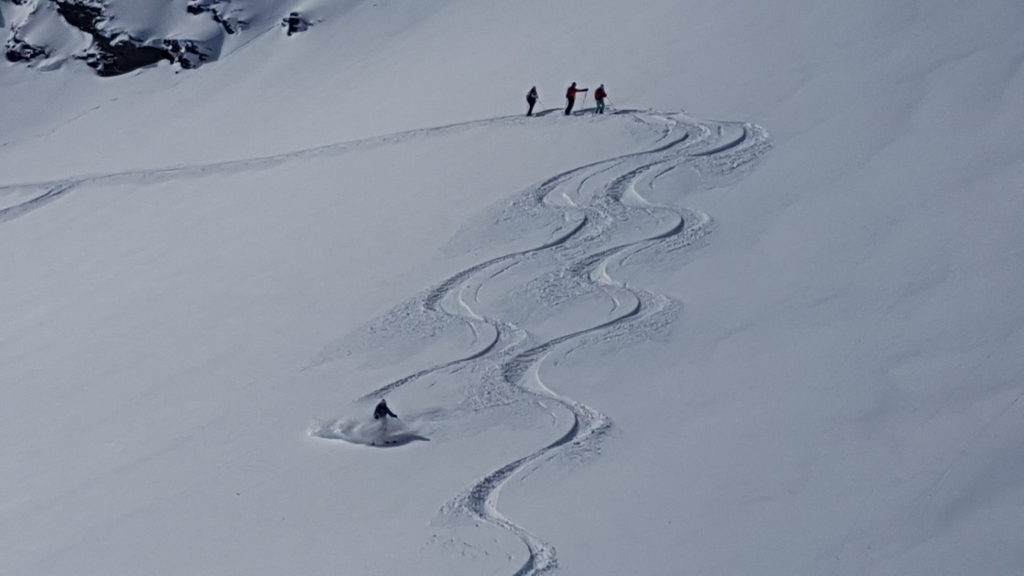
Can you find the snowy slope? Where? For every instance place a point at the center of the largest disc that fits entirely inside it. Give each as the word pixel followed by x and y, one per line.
pixel 776 333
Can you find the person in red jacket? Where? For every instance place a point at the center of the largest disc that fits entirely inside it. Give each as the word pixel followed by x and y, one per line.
pixel 599 96
pixel 570 97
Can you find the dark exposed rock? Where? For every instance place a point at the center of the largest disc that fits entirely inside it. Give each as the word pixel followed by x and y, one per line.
pixel 83 16
pixel 120 53
pixel 110 56
pixel 17 50
pixel 115 50
pixel 186 53
pixel 218 10
pixel 295 23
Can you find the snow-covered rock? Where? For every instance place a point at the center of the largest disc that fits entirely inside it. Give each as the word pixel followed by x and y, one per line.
pixel 118 36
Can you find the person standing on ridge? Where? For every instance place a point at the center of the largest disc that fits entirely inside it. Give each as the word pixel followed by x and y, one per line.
pixel 599 96
pixel 531 99
pixel 570 97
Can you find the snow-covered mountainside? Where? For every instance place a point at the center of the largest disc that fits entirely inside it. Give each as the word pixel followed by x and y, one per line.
pixel 761 316
pixel 118 36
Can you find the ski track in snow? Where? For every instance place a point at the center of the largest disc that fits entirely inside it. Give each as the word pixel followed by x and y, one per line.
pixel 596 203
pixel 53 189
pixel 49 193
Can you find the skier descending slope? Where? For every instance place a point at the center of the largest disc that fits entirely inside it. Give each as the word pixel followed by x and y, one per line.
pixel 381 412
pixel 570 97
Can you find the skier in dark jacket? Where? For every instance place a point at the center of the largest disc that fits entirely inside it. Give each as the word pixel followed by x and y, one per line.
pixel 599 96
pixel 382 411
pixel 570 97
pixel 531 99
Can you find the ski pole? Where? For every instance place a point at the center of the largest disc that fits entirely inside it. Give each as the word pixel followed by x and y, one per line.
pixel 584 101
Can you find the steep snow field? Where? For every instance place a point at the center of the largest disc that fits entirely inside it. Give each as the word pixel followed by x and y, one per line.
pixel 763 317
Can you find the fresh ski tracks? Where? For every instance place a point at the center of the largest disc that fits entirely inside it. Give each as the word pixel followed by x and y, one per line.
pixel 598 204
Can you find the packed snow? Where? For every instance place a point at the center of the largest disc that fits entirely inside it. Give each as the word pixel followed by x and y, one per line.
pixel 760 317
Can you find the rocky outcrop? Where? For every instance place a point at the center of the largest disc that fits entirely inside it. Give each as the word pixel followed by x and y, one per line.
pixel 114 54
pixel 118 36
pixel 17 50
pixel 295 23
pixel 220 11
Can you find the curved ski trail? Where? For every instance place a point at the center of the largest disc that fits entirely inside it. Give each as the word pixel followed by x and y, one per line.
pixel 598 202
pixel 598 205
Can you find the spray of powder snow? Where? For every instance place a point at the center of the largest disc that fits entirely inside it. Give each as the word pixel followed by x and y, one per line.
pixel 386 432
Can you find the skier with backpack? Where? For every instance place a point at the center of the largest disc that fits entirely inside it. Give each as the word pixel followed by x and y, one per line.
pixel 381 412
pixel 570 97
pixel 599 96
pixel 531 99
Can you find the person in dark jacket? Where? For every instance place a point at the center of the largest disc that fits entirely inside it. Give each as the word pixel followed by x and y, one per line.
pixel 599 96
pixel 570 97
pixel 531 99
pixel 382 411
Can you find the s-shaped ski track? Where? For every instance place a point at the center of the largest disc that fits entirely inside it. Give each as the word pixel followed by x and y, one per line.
pixel 600 200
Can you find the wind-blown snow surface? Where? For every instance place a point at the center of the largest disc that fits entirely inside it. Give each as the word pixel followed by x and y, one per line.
pixel 779 333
